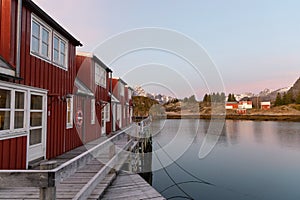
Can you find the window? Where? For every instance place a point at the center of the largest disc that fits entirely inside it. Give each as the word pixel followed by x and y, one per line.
pixel 103 117
pixel 119 110
pixel 47 44
pixel 129 94
pixel 40 39
pixel 19 120
pixel 12 110
pixel 100 76
pixel 59 51
pixel 5 109
pixel 70 112
pixel 36 119
pixel 93 111
pixel 107 110
pixel 121 89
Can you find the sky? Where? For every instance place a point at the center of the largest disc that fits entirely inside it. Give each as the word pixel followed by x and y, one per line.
pixel 251 45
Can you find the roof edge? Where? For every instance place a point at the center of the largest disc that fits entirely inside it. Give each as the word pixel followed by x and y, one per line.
pixel 49 20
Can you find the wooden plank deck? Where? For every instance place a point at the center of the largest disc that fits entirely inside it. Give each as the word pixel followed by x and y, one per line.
pixel 130 186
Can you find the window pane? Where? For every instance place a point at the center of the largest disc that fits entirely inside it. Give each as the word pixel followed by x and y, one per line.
pixel 55 43
pixel 62 59
pixel 69 112
pixel 45 36
pixel 36 119
pixel 19 119
pixel 19 104
pixel 4 98
pixel 35 44
pixel 62 47
pixel 36 102
pixel 69 119
pixel 35 29
pixel 55 56
pixel 45 48
pixel 4 120
pixel 35 136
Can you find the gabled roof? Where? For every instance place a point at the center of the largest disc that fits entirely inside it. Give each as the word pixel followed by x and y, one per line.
pixel 51 22
pixel 120 80
pixel 95 58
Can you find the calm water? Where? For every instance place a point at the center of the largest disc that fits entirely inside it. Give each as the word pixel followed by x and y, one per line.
pixel 252 160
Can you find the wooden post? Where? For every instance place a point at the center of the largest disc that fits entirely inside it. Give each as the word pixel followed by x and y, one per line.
pixel 48 193
pixel 111 154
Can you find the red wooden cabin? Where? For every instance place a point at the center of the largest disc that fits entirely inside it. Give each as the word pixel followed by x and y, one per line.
pixel 37 72
pixel 94 74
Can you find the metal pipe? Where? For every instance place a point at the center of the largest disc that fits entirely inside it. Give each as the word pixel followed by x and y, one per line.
pixel 19 35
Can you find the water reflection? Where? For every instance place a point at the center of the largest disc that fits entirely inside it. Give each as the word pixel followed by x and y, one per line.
pixel 288 137
pixel 252 160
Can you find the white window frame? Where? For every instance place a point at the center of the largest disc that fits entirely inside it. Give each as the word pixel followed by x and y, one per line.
pixel 93 111
pixel 52 34
pixel 107 107
pixel 129 94
pixel 47 28
pixel 13 133
pixel 119 111
pixel 70 124
pixel 60 40
pixel 122 89
pixel 97 74
pixel 12 111
pixel 100 75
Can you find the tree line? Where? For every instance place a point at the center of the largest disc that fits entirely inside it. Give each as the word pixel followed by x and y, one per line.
pixel 218 97
pixel 287 98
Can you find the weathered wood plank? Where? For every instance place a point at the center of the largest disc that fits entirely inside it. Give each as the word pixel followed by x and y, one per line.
pixel 130 186
pixel 86 191
pixel 28 178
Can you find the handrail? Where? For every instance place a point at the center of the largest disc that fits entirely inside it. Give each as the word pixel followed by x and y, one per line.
pixel 92 184
pixel 52 177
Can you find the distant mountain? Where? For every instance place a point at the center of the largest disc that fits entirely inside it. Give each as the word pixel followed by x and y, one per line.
pixel 268 95
pixel 160 98
pixel 296 88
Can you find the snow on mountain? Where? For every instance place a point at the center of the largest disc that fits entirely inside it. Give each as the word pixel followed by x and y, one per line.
pixel 161 98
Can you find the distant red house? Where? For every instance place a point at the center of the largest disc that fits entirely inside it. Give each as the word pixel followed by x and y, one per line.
pixel 37 73
pixel 265 105
pixel 231 105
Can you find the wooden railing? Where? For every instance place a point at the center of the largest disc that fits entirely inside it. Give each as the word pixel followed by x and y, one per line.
pixel 48 179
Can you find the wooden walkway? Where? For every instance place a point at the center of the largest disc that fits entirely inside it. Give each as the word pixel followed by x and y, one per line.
pixel 127 186
pixel 131 187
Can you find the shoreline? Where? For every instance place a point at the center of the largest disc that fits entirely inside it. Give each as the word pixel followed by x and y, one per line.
pixel 253 117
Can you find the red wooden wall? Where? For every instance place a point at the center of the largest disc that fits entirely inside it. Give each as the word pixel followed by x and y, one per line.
pixel 13 153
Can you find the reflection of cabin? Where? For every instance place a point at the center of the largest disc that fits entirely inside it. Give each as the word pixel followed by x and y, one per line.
pixel 37 72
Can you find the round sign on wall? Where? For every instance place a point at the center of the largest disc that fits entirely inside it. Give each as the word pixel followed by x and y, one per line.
pixel 79 118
